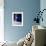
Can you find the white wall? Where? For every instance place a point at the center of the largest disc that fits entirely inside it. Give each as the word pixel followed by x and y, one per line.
pixel 1 25
pixel 1 20
pixel 43 6
pixel 1 3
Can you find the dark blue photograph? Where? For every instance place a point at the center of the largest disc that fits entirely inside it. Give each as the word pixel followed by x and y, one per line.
pixel 18 17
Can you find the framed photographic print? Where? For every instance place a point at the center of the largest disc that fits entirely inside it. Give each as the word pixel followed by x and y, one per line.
pixel 17 18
